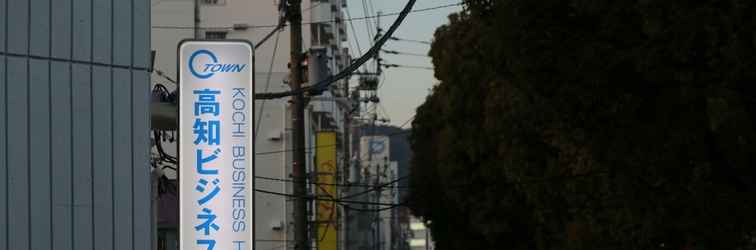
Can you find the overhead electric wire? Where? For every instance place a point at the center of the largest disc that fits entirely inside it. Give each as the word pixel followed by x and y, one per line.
pixel 322 85
pixel 394 52
pixel 281 24
pixel 312 6
pixel 306 23
pixel 340 201
pixel 267 83
pixel 314 147
pixel 406 66
pixel 354 31
pixel 410 40
pixel 369 27
pixel 374 210
pixel 368 24
pixel 173 27
pixel 378 187
pixel 274 31
pixel 324 184
pixel 161 74
pixel 407 122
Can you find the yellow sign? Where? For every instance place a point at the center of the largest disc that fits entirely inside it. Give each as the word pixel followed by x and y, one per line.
pixel 327 214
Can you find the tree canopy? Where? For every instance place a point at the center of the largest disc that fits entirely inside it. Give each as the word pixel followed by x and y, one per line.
pixel 582 124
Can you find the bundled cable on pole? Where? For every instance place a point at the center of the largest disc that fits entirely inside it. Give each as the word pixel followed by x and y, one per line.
pixel 323 85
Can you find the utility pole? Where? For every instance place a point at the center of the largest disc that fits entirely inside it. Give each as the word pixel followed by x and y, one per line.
pixel 378 35
pixel 378 238
pixel 299 168
pixel 196 19
pixel 347 165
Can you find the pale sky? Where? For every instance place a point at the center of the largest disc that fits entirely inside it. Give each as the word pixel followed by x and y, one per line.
pixel 403 89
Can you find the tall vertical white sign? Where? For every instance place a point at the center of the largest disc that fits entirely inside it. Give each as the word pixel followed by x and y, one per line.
pixel 216 153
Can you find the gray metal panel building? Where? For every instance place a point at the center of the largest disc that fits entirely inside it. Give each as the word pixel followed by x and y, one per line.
pixel 74 124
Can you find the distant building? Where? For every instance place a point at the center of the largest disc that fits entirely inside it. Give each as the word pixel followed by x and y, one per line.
pixel 420 236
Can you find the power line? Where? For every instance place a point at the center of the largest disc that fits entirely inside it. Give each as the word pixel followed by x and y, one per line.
pixel 267 83
pixel 368 23
pixel 161 74
pixel 312 6
pixel 406 66
pixel 394 52
pixel 348 207
pixel 322 85
pixel 321 146
pixel 376 188
pixel 269 26
pixel 276 30
pixel 171 27
pixel 339 201
pixel 408 121
pixel 324 184
pixel 354 31
pixel 410 40
pixel 399 12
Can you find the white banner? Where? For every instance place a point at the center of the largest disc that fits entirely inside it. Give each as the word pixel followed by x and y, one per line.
pixel 216 153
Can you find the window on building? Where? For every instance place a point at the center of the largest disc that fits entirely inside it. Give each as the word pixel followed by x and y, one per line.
pixel 214 2
pixel 215 35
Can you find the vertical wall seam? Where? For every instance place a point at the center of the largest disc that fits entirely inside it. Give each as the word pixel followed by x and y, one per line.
pixel 131 124
pixel 5 113
pixel 153 217
pixel 112 126
pixel 49 115
pixel 28 123
pixel 91 122
pixel 71 129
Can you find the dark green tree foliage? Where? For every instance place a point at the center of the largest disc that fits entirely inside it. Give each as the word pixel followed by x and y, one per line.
pixel 584 124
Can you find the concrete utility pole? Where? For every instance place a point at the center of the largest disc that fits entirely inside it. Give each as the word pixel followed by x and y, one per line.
pixel 378 238
pixel 196 19
pixel 299 168
pixel 345 173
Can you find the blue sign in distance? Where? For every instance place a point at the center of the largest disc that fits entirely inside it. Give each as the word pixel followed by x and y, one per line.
pixel 377 147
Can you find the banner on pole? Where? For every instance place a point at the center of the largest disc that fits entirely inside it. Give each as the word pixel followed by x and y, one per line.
pixel 327 214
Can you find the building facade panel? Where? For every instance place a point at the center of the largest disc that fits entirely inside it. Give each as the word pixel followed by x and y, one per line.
pixel 40 203
pixel 81 176
pixel 3 151
pixel 74 125
pixel 17 180
pixel 60 100
pixel 40 27
pixel 123 162
pixel 102 157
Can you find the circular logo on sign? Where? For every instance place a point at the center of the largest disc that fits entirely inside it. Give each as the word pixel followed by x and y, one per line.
pixel 377 147
pixel 202 73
